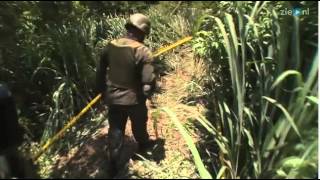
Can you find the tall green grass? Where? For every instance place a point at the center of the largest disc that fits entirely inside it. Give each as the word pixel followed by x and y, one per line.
pixel 262 128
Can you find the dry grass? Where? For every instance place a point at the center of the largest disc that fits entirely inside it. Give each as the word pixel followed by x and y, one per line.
pixel 178 162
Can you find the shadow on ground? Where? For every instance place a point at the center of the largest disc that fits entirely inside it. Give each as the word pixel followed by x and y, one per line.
pixel 90 159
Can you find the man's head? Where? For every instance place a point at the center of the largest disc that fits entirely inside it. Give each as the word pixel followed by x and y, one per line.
pixel 138 26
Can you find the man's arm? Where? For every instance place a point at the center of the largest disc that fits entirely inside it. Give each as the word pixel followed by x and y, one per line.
pixel 102 72
pixel 148 77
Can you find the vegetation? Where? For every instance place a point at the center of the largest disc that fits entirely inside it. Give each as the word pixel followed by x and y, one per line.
pixel 258 79
pixel 254 55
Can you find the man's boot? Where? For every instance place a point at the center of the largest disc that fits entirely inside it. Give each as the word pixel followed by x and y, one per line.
pixel 145 149
pixel 115 141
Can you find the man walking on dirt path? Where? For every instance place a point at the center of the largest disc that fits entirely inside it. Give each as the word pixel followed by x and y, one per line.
pixel 126 79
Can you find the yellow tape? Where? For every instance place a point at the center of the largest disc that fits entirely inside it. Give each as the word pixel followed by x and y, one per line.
pixel 84 110
pixel 67 126
pixel 164 49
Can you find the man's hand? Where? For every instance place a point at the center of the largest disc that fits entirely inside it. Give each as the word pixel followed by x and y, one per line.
pixel 147 91
pixel 101 107
pixel 152 103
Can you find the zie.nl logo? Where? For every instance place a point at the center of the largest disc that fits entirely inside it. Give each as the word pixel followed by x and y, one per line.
pixel 295 12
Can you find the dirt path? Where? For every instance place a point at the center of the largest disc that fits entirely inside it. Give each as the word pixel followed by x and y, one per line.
pixel 173 161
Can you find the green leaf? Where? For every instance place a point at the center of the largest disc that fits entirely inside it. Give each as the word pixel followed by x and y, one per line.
pixel 313 99
pixel 285 112
pixel 292 162
pixel 197 159
pixel 233 32
pixel 222 147
pixel 281 173
pixel 250 139
pixel 221 172
pixel 284 75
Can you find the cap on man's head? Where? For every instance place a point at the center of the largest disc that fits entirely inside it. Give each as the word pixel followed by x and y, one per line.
pixel 140 21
